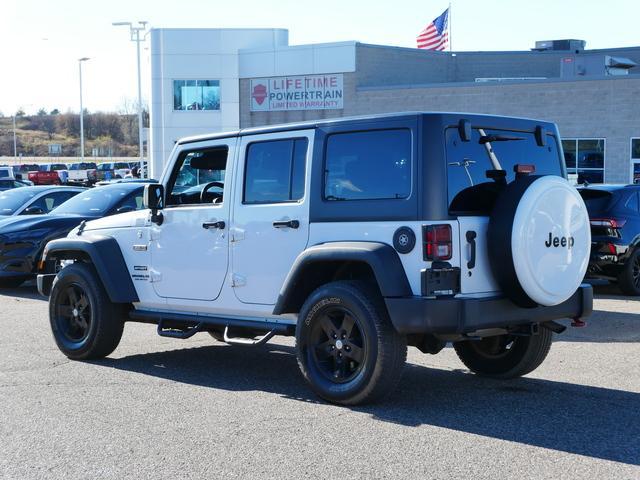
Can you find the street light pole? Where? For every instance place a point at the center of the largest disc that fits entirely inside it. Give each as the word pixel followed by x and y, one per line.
pixel 135 37
pixel 80 60
pixel 15 143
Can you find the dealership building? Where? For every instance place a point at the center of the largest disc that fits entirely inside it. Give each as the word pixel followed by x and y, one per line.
pixel 213 80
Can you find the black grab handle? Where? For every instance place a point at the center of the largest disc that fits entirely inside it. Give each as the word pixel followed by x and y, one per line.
pixel 208 225
pixel 286 224
pixel 471 239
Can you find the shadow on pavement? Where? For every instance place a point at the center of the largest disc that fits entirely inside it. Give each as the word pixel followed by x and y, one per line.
pixel 604 327
pixel 596 422
pixel 28 290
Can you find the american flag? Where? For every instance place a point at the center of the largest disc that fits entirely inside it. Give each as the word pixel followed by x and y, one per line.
pixel 436 35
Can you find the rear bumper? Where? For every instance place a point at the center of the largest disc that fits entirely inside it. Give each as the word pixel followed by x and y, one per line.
pixel 464 315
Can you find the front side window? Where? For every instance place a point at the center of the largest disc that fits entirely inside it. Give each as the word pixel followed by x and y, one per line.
pixel 372 165
pixel 52 200
pixel 274 171
pixel 199 177
pixel 585 157
pixel 196 95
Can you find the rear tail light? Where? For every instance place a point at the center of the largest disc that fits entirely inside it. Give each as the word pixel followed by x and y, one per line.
pixel 437 242
pixel 612 248
pixel 607 222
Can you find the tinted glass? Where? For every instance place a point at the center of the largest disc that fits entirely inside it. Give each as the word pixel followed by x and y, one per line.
pixel 4 173
pixel 469 190
pixel 52 200
pixel 597 201
pixel 636 172
pixel 633 202
pixel 368 165
pixel 12 200
pixel 274 171
pixel 94 202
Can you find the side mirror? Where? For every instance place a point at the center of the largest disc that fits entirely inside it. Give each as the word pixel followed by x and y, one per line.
pixel 33 211
pixel 153 199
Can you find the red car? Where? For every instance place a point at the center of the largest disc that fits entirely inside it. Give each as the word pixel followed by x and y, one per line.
pixel 47 174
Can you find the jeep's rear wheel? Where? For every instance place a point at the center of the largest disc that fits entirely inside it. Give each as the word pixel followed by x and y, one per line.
pixel 629 278
pixel 505 356
pixel 347 349
pixel 84 321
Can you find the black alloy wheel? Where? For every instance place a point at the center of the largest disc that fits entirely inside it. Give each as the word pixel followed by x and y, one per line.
pixel 629 278
pixel 73 314
pixel 84 322
pixel 338 345
pixel 505 356
pixel 348 350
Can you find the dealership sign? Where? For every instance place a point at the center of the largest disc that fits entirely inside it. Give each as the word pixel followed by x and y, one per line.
pixel 306 92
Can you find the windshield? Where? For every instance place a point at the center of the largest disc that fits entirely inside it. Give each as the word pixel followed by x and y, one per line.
pixel 12 200
pixel 95 202
pixel 597 201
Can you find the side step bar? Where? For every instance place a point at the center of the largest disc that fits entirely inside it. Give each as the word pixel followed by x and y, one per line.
pixel 180 325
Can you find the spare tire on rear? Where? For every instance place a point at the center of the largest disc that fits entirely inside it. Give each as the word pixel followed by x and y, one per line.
pixel 539 240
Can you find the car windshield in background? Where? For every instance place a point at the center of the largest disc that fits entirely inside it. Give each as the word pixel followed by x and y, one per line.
pixel 95 202
pixel 11 200
pixel 468 162
pixel 82 166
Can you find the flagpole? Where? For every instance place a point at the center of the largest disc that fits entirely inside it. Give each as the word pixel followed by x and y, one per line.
pixel 449 25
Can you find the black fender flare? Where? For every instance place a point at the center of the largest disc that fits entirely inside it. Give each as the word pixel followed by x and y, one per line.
pixel 381 257
pixel 105 255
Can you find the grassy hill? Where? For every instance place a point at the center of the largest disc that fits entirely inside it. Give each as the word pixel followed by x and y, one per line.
pixel 112 134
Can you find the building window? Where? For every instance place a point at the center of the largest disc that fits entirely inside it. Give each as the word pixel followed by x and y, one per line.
pixel 635 160
pixel 196 95
pixel 585 157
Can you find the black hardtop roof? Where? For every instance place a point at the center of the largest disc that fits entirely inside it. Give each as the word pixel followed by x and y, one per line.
pixel 486 121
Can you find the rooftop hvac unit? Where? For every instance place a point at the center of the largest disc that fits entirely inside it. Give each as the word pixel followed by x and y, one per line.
pixel 560 45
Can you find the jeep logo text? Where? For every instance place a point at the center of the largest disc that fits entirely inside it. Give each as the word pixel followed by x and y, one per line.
pixel 559 241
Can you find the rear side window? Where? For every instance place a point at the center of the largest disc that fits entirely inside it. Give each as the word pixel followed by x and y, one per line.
pixel 274 171
pixel 469 189
pixel 633 202
pixel 370 165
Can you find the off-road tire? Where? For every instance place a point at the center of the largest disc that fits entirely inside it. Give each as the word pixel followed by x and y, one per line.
pixel 382 350
pixel 106 319
pixel 525 355
pixel 629 278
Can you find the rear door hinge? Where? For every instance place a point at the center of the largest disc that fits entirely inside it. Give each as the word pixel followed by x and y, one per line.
pixel 236 234
pixel 238 280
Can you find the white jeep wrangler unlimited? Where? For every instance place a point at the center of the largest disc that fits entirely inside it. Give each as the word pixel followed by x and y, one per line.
pixel 358 236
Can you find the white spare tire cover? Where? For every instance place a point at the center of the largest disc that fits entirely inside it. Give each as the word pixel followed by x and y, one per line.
pixel 539 240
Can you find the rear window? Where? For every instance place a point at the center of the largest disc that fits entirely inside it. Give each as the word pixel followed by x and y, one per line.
pixel 469 190
pixel 597 201
pixel 370 165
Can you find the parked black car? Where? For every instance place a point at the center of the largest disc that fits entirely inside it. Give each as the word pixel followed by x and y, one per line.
pixel 614 212
pixel 22 238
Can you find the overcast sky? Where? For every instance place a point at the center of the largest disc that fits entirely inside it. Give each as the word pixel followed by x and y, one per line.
pixel 41 40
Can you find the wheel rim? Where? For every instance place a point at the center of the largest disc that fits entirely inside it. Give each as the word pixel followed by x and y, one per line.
pixel 73 313
pixel 494 347
pixel 635 271
pixel 337 346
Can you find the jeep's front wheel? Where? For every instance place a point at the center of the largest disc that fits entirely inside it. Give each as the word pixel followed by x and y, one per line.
pixel 84 321
pixel 505 356
pixel 347 349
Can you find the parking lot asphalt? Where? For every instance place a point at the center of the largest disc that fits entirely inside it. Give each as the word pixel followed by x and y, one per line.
pixel 162 408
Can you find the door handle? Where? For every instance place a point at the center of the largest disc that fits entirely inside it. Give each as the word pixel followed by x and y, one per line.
pixel 471 239
pixel 209 225
pixel 286 224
